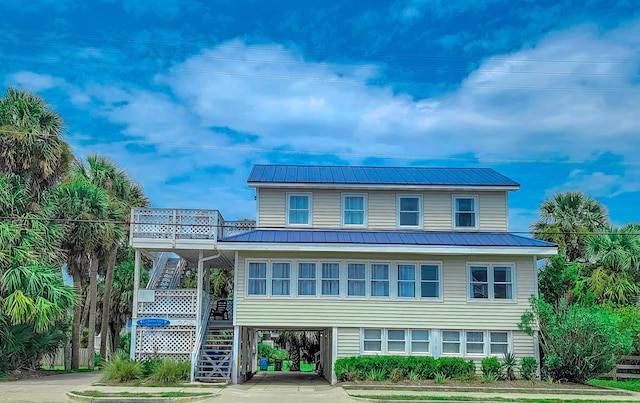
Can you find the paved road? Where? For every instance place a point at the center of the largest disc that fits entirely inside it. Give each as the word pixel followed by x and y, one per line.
pixel 46 389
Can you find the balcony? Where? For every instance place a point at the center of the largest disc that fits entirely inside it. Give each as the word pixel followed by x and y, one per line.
pixel 155 228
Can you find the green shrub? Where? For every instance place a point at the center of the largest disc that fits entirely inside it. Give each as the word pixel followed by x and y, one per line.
pixel 149 365
pixel 376 375
pixel 265 350
pixel 509 363
pixel 528 368
pixel 169 372
pixel 439 377
pixel 355 368
pixel 455 367
pixel 579 342
pixel 121 370
pixel 397 375
pixel 488 378
pixel 124 343
pixel 491 366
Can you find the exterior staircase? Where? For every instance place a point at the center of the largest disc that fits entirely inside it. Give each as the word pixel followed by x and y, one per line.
pixel 167 272
pixel 214 361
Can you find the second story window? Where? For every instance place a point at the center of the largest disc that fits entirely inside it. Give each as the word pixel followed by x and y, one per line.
pixel 306 279
pixel 409 211
pixel 465 212
pixel 354 210
pixel 280 278
pixel 491 282
pixel 299 209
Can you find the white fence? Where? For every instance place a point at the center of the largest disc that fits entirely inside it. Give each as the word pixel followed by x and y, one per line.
pixel 57 359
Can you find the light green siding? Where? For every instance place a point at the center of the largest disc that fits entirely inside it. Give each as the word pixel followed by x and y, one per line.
pixel 437 209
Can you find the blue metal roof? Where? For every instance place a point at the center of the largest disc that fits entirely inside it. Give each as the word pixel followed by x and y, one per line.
pixel 378 175
pixel 388 238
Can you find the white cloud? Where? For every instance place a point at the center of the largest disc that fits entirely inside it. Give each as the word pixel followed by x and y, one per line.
pixel 33 81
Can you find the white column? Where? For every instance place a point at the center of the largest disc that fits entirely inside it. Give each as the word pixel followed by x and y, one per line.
pixel 235 357
pixel 134 310
pixel 199 294
pixel 334 354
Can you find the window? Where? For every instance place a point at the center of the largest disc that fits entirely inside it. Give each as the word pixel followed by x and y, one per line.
pixel 465 211
pixel 298 208
pixel 420 341
pixel 502 283
pixel 306 279
pixel 280 278
pixel 257 279
pixel 372 340
pixel 479 282
pixel 409 211
pixel 379 280
pixel 395 341
pixel 450 342
pixel 499 343
pixel 475 342
pixel 354 210
pixel 406 280
pixel 356 280
pixel 330 279
pixel 429 281
pixel 492 282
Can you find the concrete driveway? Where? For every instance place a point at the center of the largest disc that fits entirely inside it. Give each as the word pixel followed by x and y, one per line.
pixel 47 388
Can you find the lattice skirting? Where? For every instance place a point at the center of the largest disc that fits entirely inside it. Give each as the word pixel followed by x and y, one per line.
pixel 171 342
pixel 170 304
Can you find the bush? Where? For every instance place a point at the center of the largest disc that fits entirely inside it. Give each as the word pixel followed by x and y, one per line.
pixel 509 363
pixel 265 350
pixel 124 343
pixel 149 365
pixel 454 367
pixel 491 367
pixel 528 368
pixel 579 342
pixel 121 370
pixel 168 372
pixel 630 322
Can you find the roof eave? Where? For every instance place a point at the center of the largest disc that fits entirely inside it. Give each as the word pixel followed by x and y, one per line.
pixel 540 251
pixel 362 186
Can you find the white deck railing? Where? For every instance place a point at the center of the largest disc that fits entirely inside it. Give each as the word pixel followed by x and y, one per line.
pixel 177 224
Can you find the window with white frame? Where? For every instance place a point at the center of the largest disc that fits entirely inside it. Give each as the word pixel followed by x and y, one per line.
pixel 372 340
pixel 406 280
pixel 409 211
pixel 280 278
pixel 492 282
pixel 430 281
pixel 451 342
pixel 354 210
pixel 465 211
pixel 499 343
pixel 257 284
pixel 379 280
pixel 330 279
pixel 396 341
pixel 356 280
pixel 474 342
pixel 306 279
pixel 299 208
pixel 419 341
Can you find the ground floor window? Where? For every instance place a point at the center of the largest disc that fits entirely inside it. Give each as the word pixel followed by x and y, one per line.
pixel 395 341
pixel 372 340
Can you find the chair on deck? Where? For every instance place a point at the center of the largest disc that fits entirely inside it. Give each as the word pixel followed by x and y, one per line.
pixel 220 310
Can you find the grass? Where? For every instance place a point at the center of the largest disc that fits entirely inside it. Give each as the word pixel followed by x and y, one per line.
pixel 95 393
pixel 632 385
pixel 304 367
pixel 479 399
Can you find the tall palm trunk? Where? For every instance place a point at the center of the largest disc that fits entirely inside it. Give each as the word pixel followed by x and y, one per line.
pixel 106 302
pixel 77 322
pixel 92 297
pixel 294 354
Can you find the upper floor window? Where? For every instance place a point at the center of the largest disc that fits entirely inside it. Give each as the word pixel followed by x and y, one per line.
pixel 354 210
pixel 257 278
pixel 379 280
pixel 330 278
pixel 299 208
pixel 465 211
pixel 409 211
pixel 356 279
pixel 280 278
pixel 490 281
pixel 306 279
pixel 430 281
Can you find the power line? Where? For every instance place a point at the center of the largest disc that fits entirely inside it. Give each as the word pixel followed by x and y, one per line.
pixel 307 51
pixel 317 79
pixel 364 65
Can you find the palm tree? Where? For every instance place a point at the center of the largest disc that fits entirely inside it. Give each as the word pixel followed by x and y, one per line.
pixel 567 218
pixel 30 143
pixel 124 194
pixel 294 341
pixel 87 207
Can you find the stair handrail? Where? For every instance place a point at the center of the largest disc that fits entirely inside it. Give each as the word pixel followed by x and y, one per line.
pixel 204 327
pixel 158 267
pixel 177 275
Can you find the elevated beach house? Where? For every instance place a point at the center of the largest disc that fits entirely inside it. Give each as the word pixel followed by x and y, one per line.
pixel 379 260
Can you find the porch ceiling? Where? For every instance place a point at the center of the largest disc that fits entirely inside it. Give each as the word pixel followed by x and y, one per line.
pixel 224 261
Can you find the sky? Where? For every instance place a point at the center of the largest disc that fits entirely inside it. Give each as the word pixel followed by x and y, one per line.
pixel 188 95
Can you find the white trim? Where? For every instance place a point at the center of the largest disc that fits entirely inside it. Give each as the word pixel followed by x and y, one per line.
pixel 310 221
pixel 420 210
pixel 476 211
pixel 365 206
pixel 235 288
pixel 536 291
pixel 334 354
pixel 453 188
pixel 491 282
pixel 375 248
pixel 257 208
pixel 235 355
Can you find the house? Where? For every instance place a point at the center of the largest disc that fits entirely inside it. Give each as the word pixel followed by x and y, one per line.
pixel 379 260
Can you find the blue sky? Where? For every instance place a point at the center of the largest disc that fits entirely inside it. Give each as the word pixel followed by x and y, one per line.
pixel 188 95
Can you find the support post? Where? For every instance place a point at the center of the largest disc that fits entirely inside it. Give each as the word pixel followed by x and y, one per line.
pixel 334 354
pixel 134 311
pixel 200 290
pixel 235 357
